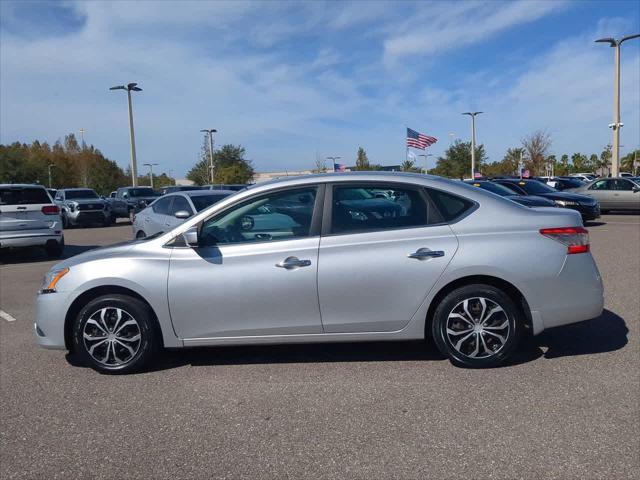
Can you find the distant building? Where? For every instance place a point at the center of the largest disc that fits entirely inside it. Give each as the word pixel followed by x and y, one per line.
pixel 265 176
pixel 183 181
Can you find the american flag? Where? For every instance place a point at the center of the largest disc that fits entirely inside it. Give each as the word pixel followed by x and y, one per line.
pixel 419 140
pixel 339 167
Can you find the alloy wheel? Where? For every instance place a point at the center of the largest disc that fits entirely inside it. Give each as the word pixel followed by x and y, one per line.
pixel 478 327
pixel 112 336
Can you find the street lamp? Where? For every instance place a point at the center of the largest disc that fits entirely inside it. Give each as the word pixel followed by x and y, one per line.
pixel 210 131
pixel 134 167
pixel 426 156
pixel 150 165
pixel 616 125
pixel 49 168
pixel 473 141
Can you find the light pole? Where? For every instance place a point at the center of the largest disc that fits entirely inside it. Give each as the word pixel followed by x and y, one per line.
pixel 210 131
pixel 134 166
pixel 473 141
pixel 426 159
pixel 616 125
pixel 333 161
pixel 150 165
pixel 49 168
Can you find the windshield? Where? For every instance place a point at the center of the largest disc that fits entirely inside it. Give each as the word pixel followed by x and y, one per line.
pixel 494 188
pixel 71 194
pixel 203 201
pixel 533 187
pixel 143 192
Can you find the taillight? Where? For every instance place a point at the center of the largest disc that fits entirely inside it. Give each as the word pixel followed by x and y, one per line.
pixel 575 238
pixel 50 210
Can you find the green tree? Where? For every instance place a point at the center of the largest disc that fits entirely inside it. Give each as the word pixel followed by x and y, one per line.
pixel 631 162
pixel 563 168
pixel 229 164
pixel 579 162
pixel 456 162
pixel 410 166
pixel 362 162
pixel 604 162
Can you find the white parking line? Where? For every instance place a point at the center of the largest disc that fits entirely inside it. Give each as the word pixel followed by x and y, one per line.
pixel 6 316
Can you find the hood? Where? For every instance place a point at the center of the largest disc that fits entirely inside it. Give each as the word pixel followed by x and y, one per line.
pixel 570 196
pixel 532 200
pixel 111 251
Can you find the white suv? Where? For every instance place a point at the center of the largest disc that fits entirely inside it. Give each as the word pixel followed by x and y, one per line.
pixel 28 217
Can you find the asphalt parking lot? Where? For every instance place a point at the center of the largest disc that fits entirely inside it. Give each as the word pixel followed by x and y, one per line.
pixel 567 407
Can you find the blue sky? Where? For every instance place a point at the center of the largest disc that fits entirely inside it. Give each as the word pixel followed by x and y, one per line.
pixel 293 80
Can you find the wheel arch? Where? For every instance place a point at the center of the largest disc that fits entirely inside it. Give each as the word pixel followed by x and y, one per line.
pixel 511 290
pixel 81 300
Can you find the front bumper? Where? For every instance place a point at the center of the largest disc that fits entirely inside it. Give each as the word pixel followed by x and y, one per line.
pixel 588 212
pixel 51 309
pixel 78 217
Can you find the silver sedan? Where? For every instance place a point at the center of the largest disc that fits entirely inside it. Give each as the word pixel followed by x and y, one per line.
pixel 617 193
pixel 171 210
pixel 327 258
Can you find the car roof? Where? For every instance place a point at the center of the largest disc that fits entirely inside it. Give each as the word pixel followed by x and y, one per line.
pixel 74 188
pixel 201 193
pixel 21 185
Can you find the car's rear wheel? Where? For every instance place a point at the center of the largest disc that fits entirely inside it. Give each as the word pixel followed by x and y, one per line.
pixel 477 326
pixel 115 334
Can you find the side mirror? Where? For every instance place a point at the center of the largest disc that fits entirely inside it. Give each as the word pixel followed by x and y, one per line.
pixel 191 236
pixel 182 214
pixel 636 189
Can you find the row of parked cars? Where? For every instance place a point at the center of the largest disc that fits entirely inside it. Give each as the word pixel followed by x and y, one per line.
pixel 31 215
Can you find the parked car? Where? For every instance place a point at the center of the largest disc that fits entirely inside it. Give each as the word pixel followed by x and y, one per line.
pixel 52 192
pixel 588 207
pixel 28 217
pixel 470 269
pixel 130 200
pixel 236 187
pixel 82 206
pixel 171 210
pixel 526 200
pixel 626 175
pixel 615 193
pixel 179 188
pixel 562 183
pixel 587 177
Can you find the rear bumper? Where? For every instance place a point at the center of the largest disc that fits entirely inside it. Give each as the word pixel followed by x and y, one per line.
pixel 29 238
pixel 574 295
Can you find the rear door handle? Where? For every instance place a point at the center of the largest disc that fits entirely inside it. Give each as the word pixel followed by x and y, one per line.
pixel 293 262
pixel 424 253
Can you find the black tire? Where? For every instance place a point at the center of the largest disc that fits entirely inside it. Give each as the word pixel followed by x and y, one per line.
pixel 118 360
pixel 603 212
pixel 141 234
pixel 65 222
pixel 481 348
pixel 54 249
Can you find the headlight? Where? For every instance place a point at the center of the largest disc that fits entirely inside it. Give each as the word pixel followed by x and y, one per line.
pixel 566 203
pixel 72 206
pixel 51 279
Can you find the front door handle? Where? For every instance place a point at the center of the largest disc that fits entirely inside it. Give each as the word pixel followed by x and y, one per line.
pixel 424 253
pixel 293 262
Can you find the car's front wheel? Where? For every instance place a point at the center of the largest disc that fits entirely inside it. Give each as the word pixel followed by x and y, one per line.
pixel 477 326
pixel 115 334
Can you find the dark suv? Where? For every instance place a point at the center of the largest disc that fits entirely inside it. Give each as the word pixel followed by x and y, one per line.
pixel 130 200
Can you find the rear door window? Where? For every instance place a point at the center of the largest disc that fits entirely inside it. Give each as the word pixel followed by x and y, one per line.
pixel 24 196
pixel 373 207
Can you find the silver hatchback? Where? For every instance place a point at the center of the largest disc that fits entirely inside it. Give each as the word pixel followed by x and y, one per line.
pixel 330 258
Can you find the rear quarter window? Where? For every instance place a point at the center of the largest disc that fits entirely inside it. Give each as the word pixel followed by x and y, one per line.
pixel 23 196
pixel 450 206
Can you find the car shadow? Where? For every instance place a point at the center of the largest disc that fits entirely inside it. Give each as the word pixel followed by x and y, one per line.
pixel 35 254
pixel 606 333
